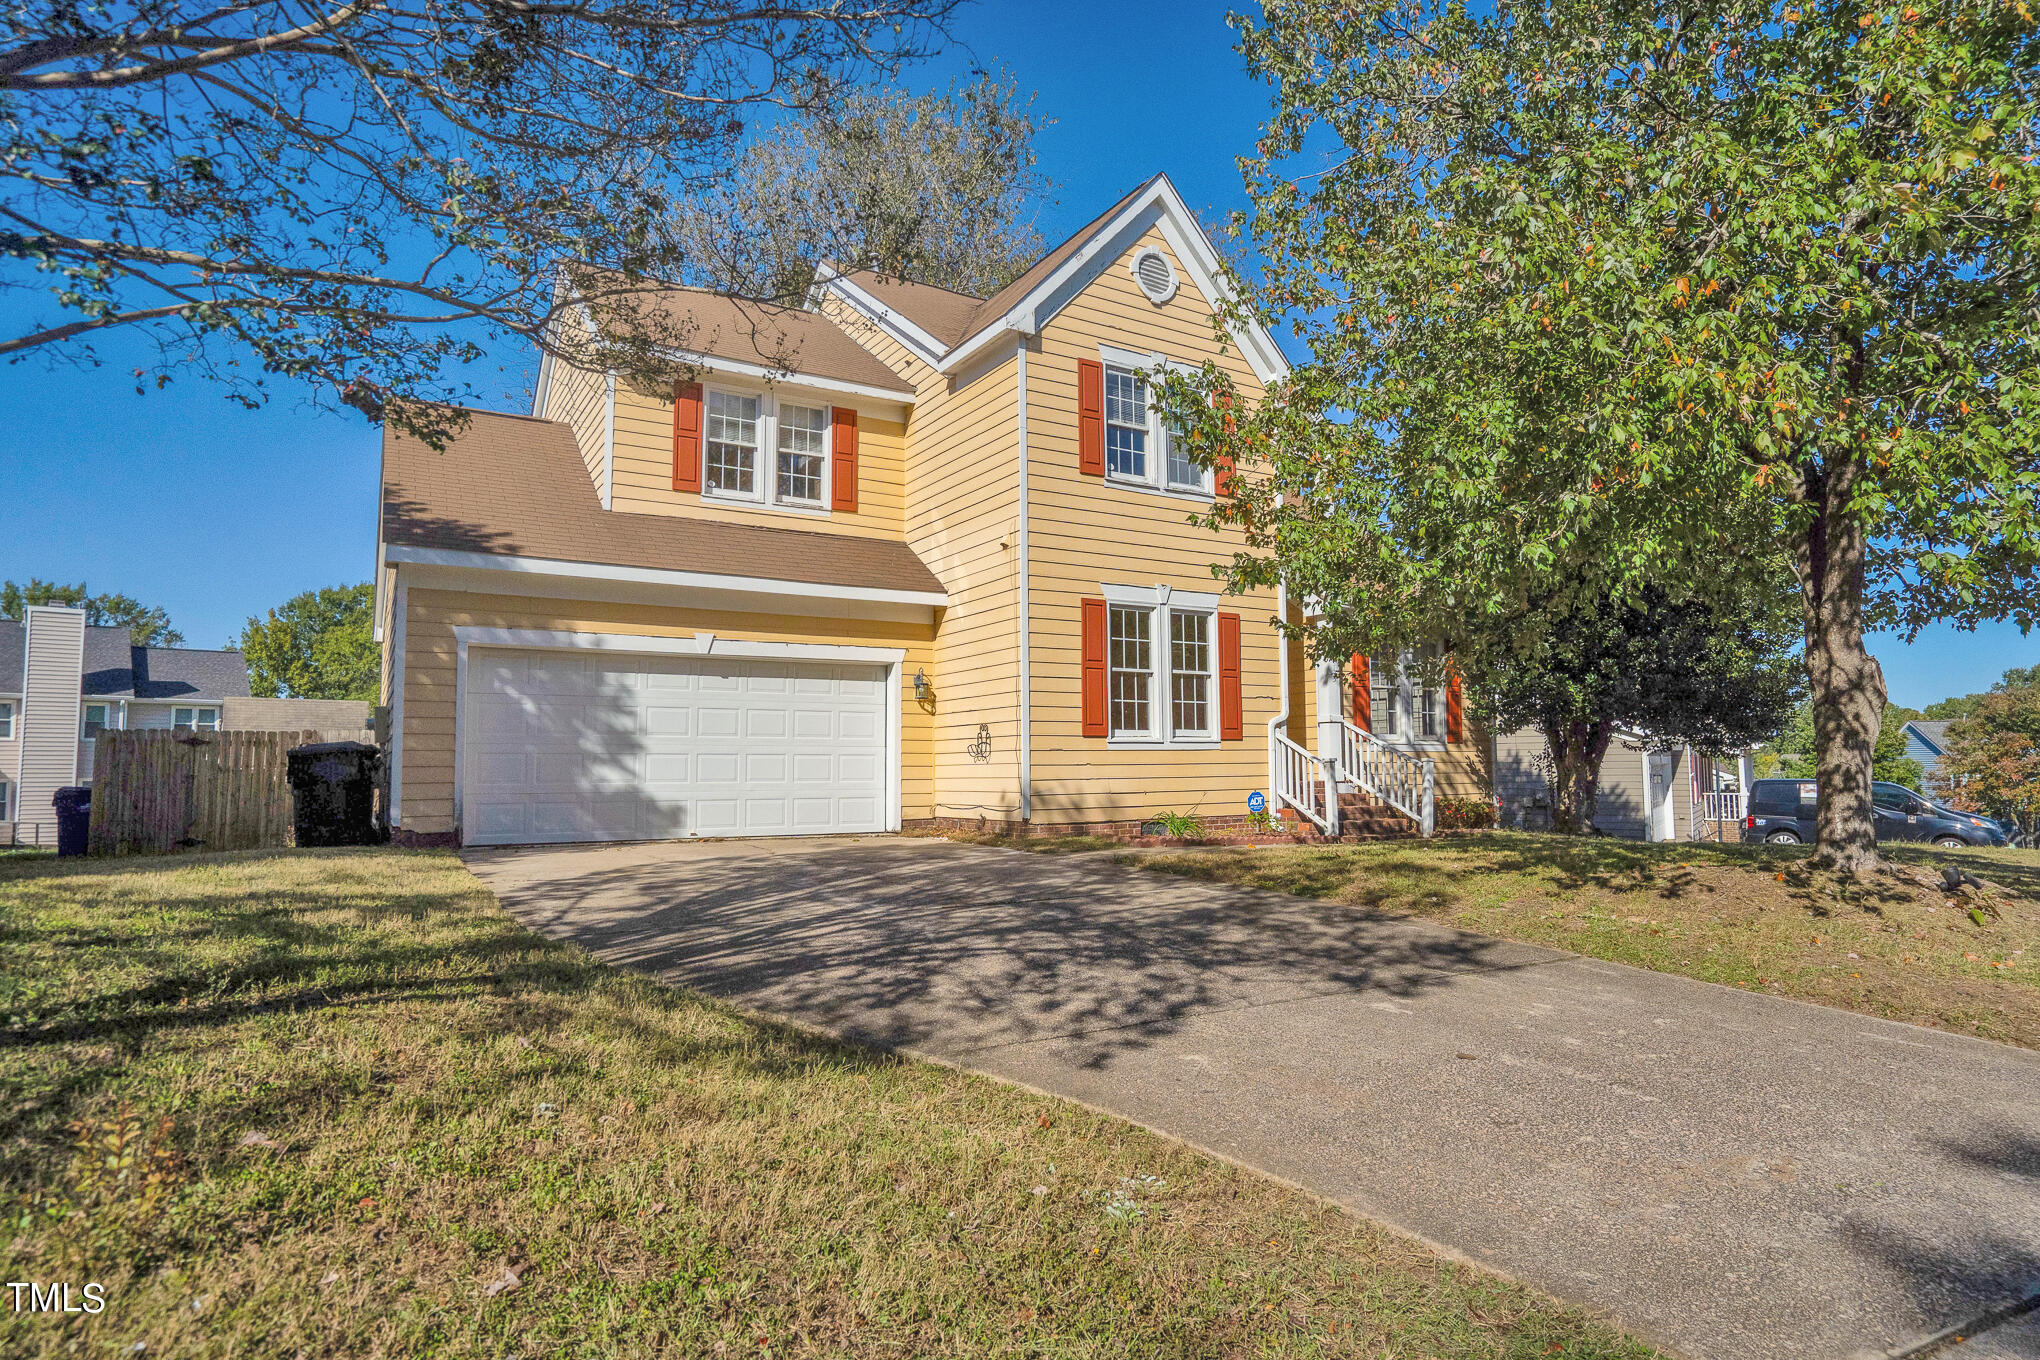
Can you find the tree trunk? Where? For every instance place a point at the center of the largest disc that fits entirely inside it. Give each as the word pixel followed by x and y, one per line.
pixel 1576 752
pixel 1847 684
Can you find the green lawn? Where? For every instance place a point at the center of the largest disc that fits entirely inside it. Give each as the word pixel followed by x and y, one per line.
pixel 339 1104
pixel 1747 916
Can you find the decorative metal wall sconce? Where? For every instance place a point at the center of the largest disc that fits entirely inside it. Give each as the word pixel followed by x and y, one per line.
pixel 924 691
pixel 981 749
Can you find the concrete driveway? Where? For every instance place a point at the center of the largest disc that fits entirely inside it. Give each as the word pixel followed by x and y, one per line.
pixel 1729 1175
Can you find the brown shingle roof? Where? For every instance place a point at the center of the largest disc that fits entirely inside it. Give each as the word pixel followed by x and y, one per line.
pixel 783 339
pixel 954 318
pixel 516 486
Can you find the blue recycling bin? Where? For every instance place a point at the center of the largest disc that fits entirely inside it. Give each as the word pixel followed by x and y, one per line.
pixel 74 820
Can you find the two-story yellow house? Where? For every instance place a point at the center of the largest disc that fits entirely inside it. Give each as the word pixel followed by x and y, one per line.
pixel 898 558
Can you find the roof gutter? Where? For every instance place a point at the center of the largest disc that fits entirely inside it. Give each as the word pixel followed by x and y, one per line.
pixel 660 576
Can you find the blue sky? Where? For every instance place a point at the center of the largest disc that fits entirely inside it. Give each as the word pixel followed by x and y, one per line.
pixel 183 499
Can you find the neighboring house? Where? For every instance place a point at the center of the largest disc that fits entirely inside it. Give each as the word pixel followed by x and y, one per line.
pixel 63 682
pixel 1642 794
pixel 899 558
pixel 1927 741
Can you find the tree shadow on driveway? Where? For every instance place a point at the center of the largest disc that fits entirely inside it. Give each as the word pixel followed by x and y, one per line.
pixel 955 950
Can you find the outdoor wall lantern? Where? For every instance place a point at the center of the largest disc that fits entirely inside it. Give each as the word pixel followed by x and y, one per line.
pixel 922 689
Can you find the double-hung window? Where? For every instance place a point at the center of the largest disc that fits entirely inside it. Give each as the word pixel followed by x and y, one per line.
pixel 6 724
pixel 95 720
pixel 200 719
pixel 1161 670
pixel 803 450
pixel 1401 707
pixel 1126 426
pixel 1140 448
pixel 1131 663
pixel 732 445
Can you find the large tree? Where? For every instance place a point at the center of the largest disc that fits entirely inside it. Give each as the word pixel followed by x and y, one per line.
pixel 1993 760
pixel 317 645
pixel 1679 673
pixel 148 625
pixel 938 188
pixel 1608 293
pixel 362 195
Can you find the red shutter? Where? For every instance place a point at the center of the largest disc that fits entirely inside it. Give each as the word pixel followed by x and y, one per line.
pixel 1093 629
pixel 1232 724
pixel 1091 417
pixel 1363 695
pixel 687 436
pixel 1455 720
pixel 843 457
pixel 1222 475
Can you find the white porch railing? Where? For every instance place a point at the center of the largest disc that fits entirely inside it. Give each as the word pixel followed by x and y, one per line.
pixel 1301 781
pixel 1403 781
pixel 1722 807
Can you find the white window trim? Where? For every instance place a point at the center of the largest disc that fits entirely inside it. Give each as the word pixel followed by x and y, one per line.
pixel 1157 482
pixel 7 717
pixel 85 716
pixel 765 476
pixel 196 709
pixel 6 798
pixel 1407 713
pixel 1162 601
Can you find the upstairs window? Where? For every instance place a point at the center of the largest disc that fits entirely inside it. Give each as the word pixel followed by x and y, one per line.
pixel 803 447
pixel 1126 425
pixel 732 444
pixel 6 724
pixel 95 720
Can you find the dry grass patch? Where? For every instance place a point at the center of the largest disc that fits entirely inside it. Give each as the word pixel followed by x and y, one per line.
pixel 1747 916
pixel 339 1104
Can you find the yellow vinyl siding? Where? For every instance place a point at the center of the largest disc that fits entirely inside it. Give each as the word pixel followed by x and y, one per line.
pixel 1084 532
pixel 580 399
pixel 431 670
pixel 962 519
pixel 643 478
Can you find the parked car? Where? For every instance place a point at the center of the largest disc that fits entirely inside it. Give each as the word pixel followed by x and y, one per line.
pixel 1782 812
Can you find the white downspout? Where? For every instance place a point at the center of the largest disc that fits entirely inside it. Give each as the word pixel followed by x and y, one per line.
pixel 1026 623
pixel 1281 688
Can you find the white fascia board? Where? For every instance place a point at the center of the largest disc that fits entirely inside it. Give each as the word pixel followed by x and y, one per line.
pixel 780 377
pixel 700 644
pixel 1158 594
pixel 1179 227
pixel 924 346
pixel 658 576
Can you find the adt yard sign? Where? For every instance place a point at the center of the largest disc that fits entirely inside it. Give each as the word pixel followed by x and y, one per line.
pixel 1256 802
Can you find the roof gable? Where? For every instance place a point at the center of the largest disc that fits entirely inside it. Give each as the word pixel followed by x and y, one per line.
pixel 922 322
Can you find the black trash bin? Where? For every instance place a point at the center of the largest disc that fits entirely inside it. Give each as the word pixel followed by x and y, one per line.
pixel 332 793
pixel 74 819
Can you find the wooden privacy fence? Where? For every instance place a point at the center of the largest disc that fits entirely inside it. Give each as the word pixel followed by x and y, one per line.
pixel 155 791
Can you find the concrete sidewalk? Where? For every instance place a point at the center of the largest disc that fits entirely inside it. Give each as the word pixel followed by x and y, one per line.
pixel 1729 1175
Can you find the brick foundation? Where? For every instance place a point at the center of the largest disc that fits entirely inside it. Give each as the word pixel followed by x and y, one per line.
pixel 1226 830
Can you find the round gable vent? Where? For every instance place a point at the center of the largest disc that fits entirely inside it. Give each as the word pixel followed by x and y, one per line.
pixel 1154 274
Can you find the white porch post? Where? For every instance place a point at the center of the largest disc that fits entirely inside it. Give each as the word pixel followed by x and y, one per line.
pixel 1330 709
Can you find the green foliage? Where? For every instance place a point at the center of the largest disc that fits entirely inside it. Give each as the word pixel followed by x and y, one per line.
pixel 318 645
pixel 939 187
pixel 2018 677
pixel 360 199
pixel 1993 761
pixel 1889 760
pixel 1464 814
pixel 1601 295
pixel 1181 825
pixel 1791 755
pixel 147 625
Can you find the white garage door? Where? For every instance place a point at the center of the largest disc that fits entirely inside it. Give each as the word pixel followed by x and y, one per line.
pixel 592 746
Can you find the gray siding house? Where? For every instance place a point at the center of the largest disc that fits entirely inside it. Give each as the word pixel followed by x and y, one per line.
pixel 1927 741
pixel 63 682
